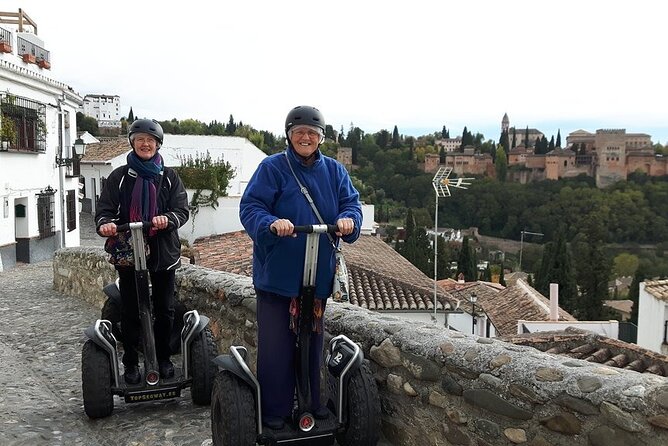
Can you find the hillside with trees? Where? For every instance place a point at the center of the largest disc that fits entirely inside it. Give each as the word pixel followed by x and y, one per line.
pixel 589 234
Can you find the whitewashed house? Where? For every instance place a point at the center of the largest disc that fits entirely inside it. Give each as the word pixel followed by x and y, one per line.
pixel 38 170
pixel 653 316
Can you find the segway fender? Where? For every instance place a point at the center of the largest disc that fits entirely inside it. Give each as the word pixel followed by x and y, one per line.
pixel 113 292
pixel 344 357
pixel 231 364
pixel 100 333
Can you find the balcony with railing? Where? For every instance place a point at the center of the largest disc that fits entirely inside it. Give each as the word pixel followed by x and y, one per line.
pixel 28 45
pixel 5 41
pixel 33 53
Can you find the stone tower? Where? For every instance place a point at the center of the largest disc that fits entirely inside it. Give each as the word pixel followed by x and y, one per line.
pixel 505 123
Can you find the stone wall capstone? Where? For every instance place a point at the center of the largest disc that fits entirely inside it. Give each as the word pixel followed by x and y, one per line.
pixel 437 387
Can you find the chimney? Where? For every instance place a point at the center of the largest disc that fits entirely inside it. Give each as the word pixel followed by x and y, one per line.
pixel 554 302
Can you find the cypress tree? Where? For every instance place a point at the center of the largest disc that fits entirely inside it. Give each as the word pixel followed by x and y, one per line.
pixel 558 143
pixel 501 164
pixel 526 137
pixel 466 263
pixel 634 293
pixel 502 278
pixel 593 269
pixel 396 142
pixel 556 267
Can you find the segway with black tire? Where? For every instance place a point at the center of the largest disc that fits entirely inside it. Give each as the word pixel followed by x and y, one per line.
pixel 353 403
pixel 100 371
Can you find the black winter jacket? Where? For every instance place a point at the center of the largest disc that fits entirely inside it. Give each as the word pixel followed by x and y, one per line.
pixel 114 207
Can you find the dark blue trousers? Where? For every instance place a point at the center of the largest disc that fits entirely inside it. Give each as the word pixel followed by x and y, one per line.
pixel 276 356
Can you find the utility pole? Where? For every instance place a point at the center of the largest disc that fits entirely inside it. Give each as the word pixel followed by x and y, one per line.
pixel 442 184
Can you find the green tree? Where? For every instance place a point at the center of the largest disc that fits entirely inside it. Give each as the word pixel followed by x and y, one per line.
pixel 558 143
pixel 466 262
pixel 131 116
pixel 444 258
pixel 556 267
pixel 592 269
pixel 416 246
pixel 445 133
pixel 526 137
pixel 625 264
pixel 634 293
pixel 396 140
pixel 502 277
pixel 87 124
pixel 501 164
pixel 504 141
pixel 231 126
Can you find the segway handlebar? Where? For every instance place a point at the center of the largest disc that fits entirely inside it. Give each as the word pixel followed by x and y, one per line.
pixel 127 226
pixel 311 229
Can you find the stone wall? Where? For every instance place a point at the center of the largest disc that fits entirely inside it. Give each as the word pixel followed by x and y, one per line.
pixel 437 387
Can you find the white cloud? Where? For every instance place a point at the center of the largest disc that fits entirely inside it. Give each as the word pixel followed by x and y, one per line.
pixel 418 64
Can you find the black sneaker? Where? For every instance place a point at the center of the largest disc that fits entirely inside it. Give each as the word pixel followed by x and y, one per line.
pixel 132 375
pixel 166 369
pixel 321 413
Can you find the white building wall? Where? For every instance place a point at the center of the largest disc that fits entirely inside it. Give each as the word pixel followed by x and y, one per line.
pixel 24 174
pixel 652 314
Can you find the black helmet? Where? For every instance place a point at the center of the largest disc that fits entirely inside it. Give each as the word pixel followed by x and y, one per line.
pixel 306 115
pixel 150 126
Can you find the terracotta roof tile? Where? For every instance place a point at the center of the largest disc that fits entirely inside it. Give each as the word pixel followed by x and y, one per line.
pixel 589 346
pixel 380 278
pixel 104 151
pixel 657 288
pixel 504 308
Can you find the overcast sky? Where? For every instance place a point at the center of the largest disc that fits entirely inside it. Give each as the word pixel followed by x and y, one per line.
pixel 415 64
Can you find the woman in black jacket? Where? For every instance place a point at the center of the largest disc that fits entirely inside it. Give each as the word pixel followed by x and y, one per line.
pixel 145 190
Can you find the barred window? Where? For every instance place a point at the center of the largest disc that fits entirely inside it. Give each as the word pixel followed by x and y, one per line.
pixel 45 211
pixel 23 124
pixel 71 210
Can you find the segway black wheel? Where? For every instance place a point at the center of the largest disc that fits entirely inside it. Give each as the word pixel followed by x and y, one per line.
pixel 233 411
pixel 202 352
pixel 96 381
pixel 361 410
pixel 111 311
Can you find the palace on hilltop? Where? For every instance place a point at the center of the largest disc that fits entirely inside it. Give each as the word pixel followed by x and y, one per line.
pixel 609 155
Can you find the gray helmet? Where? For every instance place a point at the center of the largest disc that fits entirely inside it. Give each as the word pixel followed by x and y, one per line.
pixel 304 115
pixel 150 126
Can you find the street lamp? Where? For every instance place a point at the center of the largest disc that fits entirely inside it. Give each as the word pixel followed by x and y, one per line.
pixel 442 184
pixel 473 299
pixel 78 150
pixel 522 242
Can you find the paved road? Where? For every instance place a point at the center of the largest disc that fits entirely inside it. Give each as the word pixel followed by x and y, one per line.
pixel 41 336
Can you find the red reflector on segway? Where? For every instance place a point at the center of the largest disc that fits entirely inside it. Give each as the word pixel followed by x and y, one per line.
pixel 306 422
pixel 152 378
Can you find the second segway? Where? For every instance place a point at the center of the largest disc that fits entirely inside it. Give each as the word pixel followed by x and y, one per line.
pixel 353 401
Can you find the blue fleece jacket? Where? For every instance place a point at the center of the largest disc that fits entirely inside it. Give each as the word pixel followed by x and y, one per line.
pixel 273 193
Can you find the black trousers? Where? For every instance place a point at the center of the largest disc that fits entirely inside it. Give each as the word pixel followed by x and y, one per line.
pixel 162 296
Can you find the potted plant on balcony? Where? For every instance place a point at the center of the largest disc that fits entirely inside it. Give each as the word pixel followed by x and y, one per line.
pixel 7 133
pixel 43 63
pixel 5 47
pixel 29 58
